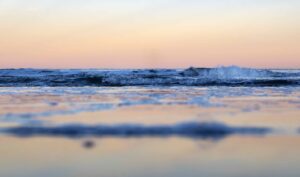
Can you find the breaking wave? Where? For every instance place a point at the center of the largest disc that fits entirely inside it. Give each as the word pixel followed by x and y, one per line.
pixel 221 76
pixel 189 129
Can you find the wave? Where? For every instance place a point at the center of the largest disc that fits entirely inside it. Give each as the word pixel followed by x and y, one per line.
pixel 189 129
pixel 221 76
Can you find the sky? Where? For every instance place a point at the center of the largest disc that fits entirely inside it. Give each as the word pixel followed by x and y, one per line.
pixel 149 33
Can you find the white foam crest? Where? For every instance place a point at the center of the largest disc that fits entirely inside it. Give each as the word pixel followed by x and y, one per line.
pixel 230 72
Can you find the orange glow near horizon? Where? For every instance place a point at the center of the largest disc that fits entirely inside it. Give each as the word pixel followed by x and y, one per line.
pixel 144 34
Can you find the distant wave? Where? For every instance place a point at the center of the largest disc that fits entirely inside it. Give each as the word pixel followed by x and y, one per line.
pixel 189 129
pixel 221 76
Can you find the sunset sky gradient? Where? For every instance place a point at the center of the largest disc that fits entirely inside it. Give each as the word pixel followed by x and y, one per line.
pixel 149 33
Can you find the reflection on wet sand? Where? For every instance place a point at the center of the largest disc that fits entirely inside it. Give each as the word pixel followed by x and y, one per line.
pixel 234 156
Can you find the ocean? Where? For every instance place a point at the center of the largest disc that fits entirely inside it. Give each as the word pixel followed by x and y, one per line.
pixel 223 121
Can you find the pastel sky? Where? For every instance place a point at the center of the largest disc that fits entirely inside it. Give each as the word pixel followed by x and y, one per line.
pixel 149 33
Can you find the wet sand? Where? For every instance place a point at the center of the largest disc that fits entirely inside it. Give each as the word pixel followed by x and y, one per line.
pixel 146 132
pixel 234 156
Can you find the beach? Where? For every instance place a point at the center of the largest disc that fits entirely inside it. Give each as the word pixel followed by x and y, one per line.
pixel 150 130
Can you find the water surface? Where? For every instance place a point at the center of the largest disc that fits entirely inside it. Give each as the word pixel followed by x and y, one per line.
pixel 226 121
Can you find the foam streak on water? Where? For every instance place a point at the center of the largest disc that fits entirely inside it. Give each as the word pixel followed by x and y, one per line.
pixel 189 129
